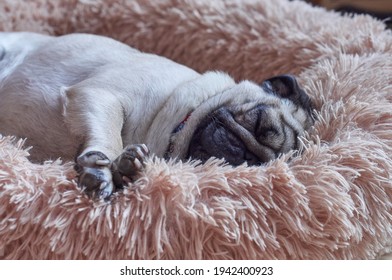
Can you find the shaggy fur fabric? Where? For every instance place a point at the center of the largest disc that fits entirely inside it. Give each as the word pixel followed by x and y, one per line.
pixel 332 201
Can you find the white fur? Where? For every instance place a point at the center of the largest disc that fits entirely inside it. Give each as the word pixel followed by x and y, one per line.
pixel 61 92
pixel 87 82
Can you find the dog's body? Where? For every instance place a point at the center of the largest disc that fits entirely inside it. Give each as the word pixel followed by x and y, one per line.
pixel 88 97
pixel 47 82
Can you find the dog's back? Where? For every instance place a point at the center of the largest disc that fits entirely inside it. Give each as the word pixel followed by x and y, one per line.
pixel 14 47
pixel 37 71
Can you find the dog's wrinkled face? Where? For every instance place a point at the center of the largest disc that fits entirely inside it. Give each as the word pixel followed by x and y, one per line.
pixel 257 131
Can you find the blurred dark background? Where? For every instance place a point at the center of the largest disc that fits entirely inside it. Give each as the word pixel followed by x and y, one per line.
pixel 381 9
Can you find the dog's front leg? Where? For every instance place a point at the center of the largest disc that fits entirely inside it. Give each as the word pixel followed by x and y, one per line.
pixel 95 116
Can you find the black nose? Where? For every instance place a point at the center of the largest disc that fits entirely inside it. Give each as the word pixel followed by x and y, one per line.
pixel 286 86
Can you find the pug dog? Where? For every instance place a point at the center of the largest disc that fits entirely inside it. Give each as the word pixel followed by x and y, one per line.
pixel 107 105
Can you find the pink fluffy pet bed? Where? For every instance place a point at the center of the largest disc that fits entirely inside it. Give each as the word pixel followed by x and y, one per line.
pixel 331 201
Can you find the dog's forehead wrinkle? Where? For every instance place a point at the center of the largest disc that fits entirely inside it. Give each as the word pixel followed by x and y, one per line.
pixel 221 95
pixel 245 91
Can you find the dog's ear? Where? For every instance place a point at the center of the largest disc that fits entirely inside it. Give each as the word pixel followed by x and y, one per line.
pixel 286 86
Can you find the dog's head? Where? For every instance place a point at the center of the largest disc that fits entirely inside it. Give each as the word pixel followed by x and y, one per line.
pixel 253 123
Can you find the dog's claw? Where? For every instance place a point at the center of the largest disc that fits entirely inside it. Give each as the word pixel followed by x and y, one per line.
pixel 138 164
pixel 95 176
pixel 102 162
pixel 144 152
pixel 140 153
pixel 126 180
pixel 104 194
pixel 103 185
pixel 131 162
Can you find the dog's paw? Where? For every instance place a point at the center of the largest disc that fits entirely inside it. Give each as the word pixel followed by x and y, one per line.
pixel 95 175
pixel 129 164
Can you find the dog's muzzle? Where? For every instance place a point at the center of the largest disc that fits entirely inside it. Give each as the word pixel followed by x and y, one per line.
pixel 219 136
pixel 256 135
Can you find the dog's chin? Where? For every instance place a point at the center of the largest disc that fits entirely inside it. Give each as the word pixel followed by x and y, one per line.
pixel 213 139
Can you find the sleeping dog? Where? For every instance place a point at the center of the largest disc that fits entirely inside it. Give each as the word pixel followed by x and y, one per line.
pixel 102 103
